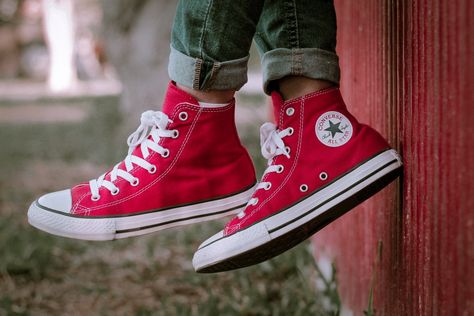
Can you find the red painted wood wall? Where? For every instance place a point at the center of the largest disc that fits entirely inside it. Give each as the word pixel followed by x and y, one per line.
pixel 408 70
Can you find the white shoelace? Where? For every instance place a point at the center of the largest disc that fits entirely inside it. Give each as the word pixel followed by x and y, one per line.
pixel 271 141
pixel 151 123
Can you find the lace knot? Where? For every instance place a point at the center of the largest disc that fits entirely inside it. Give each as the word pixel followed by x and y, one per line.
pixel 271 141
pixel 148 121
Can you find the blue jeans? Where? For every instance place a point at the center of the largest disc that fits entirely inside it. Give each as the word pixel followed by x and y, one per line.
pixel 211 39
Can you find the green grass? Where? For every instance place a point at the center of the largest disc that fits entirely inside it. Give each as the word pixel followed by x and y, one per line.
pixel 150 275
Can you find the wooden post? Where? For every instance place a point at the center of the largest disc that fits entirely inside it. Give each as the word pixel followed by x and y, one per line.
pixel 407 69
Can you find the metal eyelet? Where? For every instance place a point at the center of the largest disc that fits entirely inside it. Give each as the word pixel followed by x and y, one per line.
pixel 183 116
pixel 268 186
pixel 323 176
pixel 135 182
pixel 95 198
pixel 175 134
pixel 115 192
pixel 290 131
pixel 255 201
pixel 166 153
pixel 288 149
pixel 152 169
pixel 303 188
pixel 280 169
pixel 290 111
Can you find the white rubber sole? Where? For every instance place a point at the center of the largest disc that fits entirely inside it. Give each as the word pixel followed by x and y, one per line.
pixel 108 228
pixel 293 225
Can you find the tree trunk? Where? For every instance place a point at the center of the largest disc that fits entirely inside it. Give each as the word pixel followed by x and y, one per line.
pixel 59 31
pixel 137 38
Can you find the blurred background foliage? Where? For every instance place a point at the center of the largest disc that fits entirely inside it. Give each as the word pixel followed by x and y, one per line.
pixel 51 138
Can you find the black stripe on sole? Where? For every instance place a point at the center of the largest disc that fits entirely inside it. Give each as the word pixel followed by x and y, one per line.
pixel 321 188
pixel 144 212
pixel 178 220
pixel 162 223
pixel 294 237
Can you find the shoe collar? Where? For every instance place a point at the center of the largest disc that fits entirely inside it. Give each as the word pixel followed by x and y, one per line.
pixel 320 101
pixel 174 97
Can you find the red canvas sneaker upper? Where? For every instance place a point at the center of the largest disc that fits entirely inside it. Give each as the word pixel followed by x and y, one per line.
pixel 183 155
pixel 315 141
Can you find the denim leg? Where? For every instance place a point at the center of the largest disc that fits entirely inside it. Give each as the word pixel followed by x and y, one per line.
pixel 298 37
pixel 210 43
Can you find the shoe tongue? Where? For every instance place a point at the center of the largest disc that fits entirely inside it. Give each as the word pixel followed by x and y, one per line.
pixel 278 102
pixel 175 96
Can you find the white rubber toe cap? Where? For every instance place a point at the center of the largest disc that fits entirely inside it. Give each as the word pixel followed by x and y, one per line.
pixel 210 240
pixel 206 252
pixel 220 248
pixel 58 201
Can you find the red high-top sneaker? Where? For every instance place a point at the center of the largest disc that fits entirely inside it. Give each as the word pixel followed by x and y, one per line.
pixel 185 165
pixel 322 162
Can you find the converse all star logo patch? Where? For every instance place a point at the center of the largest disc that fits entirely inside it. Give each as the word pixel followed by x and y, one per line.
pixel 333 129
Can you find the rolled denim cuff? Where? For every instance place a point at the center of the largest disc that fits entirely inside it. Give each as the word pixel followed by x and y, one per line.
pixel 313 63
pixel 203 74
